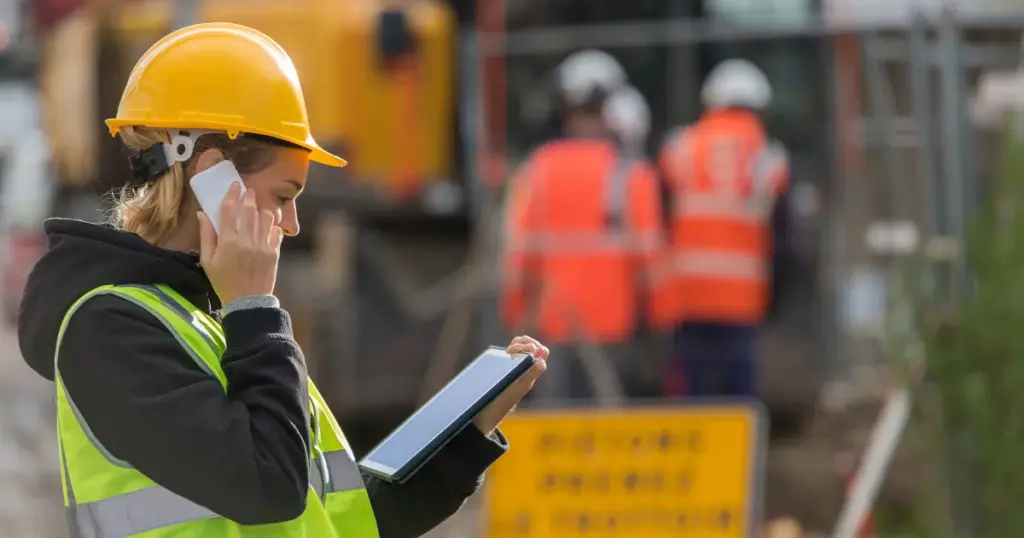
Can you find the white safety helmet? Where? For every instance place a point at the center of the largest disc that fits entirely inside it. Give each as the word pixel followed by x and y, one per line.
pixel 627 115
pixel 736 83
pixel 587 73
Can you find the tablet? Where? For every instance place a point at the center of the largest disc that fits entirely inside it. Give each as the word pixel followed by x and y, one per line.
pixel 417 439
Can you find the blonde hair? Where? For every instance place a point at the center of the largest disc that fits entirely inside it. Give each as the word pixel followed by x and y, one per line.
pixel 158 207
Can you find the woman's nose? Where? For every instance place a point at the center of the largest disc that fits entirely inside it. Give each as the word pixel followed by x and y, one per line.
pixel 290 225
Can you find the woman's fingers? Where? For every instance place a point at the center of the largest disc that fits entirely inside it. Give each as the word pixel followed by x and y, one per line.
pixel 527 344
pixel 264 227
pixel 276 238
pixel 229 211
pixel 248 226
pixel 207 239
pixel 532 349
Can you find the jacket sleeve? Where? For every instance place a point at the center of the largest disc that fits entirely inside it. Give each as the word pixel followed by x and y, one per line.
pixel 437 490
pixel 242 453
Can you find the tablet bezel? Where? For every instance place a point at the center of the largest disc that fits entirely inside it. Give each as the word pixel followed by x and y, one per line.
pixel 377 468
pixel 391 474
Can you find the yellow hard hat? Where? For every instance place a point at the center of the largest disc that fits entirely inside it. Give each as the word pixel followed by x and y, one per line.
pixel 219 77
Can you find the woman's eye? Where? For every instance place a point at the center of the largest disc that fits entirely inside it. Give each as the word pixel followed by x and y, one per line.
pixel 283 200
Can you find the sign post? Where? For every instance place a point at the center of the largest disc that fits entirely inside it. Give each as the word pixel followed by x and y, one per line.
pixel 692 470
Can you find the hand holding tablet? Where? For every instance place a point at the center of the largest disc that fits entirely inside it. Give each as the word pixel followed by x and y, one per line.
pixel 490 417
pixel 481 394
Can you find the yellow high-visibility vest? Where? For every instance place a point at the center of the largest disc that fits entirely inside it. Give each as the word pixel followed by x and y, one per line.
pixel 108 498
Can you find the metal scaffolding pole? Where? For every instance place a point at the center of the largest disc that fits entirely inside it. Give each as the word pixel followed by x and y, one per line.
pixel 561 39
pixel 921 104
pixel 186 12
pixel 953 143
pixel 883 107
pixel 952 149
pixel 981 55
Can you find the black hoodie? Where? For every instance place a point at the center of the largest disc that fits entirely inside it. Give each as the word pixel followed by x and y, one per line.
pixel 242 454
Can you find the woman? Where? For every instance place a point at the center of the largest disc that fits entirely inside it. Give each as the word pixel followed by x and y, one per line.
pixel 173 422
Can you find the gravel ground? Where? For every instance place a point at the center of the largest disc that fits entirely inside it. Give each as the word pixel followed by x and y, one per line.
pixel 30 497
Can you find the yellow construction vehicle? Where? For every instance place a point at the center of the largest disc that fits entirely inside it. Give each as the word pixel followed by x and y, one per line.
pixel 390 112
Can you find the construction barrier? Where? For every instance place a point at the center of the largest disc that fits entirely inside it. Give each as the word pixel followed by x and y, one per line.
pixel 693 469
pixel 867 525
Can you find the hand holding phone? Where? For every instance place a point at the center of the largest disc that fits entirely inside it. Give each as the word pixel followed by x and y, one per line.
pixel 211 186
pixel 240 245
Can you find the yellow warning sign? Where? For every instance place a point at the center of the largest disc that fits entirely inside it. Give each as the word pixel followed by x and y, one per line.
pixel 691 471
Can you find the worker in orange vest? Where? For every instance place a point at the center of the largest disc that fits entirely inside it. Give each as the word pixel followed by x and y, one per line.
pixel 583 224
pixel 726 177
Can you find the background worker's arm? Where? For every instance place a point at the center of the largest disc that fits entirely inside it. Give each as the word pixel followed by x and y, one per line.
pixel 781 225
pixel 646 225
pixel 782 256
pixel 438 489
pixel 518 262
pixel 782 237
pixel 243 454
pixel 674 164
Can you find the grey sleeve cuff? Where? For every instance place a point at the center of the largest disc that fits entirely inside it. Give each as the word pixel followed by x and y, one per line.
pixel 250 302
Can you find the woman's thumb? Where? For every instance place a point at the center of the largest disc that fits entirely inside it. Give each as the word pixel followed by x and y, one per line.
pixel 207 239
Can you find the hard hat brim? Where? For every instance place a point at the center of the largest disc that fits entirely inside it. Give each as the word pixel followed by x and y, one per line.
pixel 322 156
pixel 316 153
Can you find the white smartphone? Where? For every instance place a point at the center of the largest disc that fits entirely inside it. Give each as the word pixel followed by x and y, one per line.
pixel 211 186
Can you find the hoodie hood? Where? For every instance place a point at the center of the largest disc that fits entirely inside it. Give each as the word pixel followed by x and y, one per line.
pixel 84 256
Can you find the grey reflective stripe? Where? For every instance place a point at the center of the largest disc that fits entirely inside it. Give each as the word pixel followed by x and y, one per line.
pixel 617 192
pixel 170 328
pixel 133 513
pixel 345 475
pixel 342 471
pixel 719 264
pixel 319 474
pixel 564 243
pixel 180 310
pixel 157 507
pixel 72 511
pixel 765 163
pixel 711 205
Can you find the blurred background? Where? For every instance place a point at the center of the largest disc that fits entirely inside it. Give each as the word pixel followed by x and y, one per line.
pixel 893 114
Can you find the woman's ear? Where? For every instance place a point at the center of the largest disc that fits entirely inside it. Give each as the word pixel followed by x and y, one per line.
pixel 207 159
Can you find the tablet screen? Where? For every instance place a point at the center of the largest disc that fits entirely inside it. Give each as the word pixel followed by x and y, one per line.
pixel 442 411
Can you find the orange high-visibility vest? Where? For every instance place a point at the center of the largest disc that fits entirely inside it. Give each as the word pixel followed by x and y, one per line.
pixel 583 236
pixel 725 175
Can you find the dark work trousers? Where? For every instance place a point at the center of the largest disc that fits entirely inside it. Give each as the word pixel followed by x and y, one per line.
pixel 713 359
pixel 634 363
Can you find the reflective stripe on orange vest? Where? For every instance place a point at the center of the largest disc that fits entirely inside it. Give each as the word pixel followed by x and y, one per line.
pixel 695 204
pixel 585 243
pixel 706 263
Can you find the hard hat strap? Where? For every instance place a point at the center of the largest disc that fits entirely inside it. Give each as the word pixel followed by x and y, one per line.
pixel 151 163
pixel 148 164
